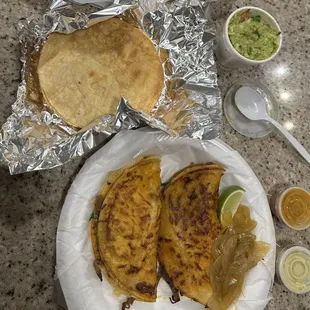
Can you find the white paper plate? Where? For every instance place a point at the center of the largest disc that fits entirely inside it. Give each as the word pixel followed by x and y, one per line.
pixel 81 286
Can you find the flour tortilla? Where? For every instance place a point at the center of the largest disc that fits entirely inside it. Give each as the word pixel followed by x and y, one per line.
pixel 84 74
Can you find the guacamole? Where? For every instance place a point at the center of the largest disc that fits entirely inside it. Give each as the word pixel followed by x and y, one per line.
pixel 252 37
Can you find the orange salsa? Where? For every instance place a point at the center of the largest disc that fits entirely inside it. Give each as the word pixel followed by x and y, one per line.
pixel 295 208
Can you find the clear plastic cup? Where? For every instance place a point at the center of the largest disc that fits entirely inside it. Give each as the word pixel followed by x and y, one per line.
pixel 299 211
pixel 293 268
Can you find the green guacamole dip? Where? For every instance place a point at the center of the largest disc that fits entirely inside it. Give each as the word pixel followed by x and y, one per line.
pixel 252 37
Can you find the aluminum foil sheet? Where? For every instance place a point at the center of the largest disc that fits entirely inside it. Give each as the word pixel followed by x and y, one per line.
pixel 34 138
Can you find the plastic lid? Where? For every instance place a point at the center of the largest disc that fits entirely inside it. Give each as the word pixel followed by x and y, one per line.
pixel 294 208
pixel 246 127
pixel 294 269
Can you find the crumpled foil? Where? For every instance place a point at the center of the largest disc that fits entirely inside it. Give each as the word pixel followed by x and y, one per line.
pixel 35 138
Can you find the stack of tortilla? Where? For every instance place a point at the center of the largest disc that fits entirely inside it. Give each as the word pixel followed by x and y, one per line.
pixel 83 75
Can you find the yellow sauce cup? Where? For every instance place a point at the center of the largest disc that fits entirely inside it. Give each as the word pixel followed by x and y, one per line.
pixel 292 207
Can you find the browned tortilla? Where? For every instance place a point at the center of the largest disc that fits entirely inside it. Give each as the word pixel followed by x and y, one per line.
pixel 188 228
pixel 126 233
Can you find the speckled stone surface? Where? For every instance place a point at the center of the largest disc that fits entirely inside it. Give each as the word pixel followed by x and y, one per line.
pixel 30 204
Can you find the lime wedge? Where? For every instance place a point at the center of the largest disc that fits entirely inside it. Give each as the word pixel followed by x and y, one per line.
pixel 229 201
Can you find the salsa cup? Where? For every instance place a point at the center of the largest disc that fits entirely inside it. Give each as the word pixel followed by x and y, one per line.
pixel 226 53
pixel 302 222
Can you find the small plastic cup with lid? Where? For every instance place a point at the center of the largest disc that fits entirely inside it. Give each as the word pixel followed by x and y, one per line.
pixel 292 207
pixel 293 268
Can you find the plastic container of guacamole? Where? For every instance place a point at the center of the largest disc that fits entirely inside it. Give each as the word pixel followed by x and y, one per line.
pixel 251 36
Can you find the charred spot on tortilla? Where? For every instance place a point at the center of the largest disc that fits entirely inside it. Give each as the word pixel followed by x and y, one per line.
pixel 82 84
pixel 133 269
pixel 144 287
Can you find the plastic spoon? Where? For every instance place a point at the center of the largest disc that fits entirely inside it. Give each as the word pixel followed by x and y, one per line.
pixel 253 106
